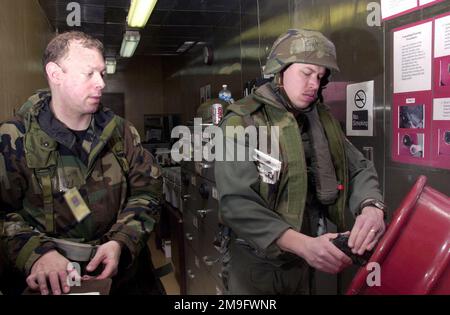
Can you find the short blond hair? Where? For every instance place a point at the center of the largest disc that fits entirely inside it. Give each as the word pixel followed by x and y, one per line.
pixel 58 47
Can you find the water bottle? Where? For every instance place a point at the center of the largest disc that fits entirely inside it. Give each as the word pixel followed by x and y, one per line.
pixel 225 94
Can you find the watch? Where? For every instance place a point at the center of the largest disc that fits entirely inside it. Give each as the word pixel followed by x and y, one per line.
pixel 373 203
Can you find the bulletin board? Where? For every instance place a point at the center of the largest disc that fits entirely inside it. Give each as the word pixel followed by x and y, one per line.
pixel 421 93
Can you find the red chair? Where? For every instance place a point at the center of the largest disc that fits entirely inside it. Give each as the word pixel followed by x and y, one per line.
pixel 414 253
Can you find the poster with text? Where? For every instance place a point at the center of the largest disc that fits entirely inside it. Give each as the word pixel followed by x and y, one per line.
pixel 441 131
pixel 412 98
pixel 421 92
pixel 425 3
pixel 441 62
pixel 393 8
pixel 412 58
pixel 441 97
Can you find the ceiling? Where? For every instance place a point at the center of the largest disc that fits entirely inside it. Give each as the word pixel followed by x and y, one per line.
pixel 171 24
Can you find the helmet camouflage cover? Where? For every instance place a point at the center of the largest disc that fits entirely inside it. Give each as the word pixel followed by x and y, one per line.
pixel 301 46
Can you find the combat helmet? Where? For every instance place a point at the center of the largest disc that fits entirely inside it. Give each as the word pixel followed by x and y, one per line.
pixel 301 46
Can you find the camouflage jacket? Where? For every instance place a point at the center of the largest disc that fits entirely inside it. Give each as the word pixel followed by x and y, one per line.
pixel 259 213
pixel 123 203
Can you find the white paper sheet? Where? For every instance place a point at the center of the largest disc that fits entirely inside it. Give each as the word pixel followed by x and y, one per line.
pixel 412 58
pixel 442 37
pixel 393 7
pixel 441 109
pixel 423 2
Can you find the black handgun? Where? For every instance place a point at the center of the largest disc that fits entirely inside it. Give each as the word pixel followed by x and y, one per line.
pixel 341 242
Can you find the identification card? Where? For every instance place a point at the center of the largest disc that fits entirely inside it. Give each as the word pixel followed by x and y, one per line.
pixel 269 168
pixel 76 204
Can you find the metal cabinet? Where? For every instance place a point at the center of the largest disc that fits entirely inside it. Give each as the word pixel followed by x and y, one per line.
pixel 201 225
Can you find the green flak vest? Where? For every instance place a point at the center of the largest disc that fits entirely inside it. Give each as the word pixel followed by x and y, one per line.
pixel 291 206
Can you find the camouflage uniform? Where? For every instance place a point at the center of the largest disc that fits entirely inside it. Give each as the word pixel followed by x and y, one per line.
pixel 259 213
pixel 121 186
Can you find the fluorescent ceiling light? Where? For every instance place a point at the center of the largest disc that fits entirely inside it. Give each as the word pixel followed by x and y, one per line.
pixel 186 46
pixel 129 44
pixel 140 11
pixel 110 65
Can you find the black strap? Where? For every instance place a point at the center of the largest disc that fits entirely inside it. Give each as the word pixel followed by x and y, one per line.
pixel 45 180
pixel 162 271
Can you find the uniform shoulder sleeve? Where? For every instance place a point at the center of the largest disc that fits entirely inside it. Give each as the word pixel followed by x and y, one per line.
pixel 363 177
pixel 11 134
pixel 245 106
pixel 141 211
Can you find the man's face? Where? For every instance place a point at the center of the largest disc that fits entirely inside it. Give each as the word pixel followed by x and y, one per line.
pixel 301 82
pixel 81 81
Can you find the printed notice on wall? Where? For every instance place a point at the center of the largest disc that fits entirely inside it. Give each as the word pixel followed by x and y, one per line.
pixel 412 58
pixel 423 2
pixel 442 32
pixel 390 8
pixel 441 109
pixel 360 98
pixel 421 96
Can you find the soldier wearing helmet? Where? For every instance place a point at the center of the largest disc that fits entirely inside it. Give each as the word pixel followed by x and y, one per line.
pixel 278 223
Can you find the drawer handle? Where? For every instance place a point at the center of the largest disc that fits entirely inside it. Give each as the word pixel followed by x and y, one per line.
pixel 189 236
pixel 203 212
pixel 190 274
pixel 205 165
pixel 209 261
pixel 186 197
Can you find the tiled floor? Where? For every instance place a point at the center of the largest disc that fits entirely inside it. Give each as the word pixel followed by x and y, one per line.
pixel 159 259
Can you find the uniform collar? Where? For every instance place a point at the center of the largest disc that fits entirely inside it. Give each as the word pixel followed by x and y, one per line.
pixel 58 131
pixel 271 94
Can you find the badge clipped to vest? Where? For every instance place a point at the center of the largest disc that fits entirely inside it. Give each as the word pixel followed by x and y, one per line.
pixel 77 205
pixel 269 168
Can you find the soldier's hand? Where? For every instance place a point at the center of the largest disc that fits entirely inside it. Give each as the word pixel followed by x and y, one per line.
pixel 322 255
pixel 52 266
pixel 107 254
pixel 318 252
pixel 369 227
